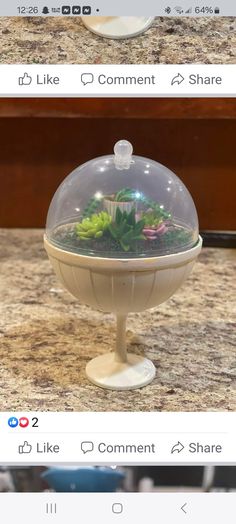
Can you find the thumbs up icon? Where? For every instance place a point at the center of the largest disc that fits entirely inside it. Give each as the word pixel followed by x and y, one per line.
pixel 25 448
pixel 25 80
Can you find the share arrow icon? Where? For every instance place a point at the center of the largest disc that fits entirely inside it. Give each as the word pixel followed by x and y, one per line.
pixel 178 79
pixel 177 448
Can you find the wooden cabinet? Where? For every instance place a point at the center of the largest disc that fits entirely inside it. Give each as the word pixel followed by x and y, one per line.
pixel 42 140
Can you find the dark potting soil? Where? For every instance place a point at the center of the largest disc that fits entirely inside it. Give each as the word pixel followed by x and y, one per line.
pixel 175 240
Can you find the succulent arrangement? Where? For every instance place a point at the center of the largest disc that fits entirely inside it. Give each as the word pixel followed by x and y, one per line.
pixel 139 226
pixel 129 218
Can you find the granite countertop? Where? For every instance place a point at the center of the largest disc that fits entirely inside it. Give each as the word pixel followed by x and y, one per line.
pixel 47 337
pixel 65 40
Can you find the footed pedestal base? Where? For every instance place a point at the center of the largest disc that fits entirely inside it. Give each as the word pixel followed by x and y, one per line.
pixel 117 27
pixel 106 372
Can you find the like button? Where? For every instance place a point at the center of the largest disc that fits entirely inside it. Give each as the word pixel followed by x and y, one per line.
pixel 25 80
pixel 25 448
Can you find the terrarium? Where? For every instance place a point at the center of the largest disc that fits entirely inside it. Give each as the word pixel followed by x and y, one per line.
pixel 122 236
pixel 117 27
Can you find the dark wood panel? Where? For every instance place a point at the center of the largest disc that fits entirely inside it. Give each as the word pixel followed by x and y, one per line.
pixel 137 108
pixel 37 153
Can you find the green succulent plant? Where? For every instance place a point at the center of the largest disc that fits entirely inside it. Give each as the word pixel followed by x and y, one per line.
pixel 91 207
pixel 126 230
pixel 159 211
pixel 125 195
pixel 152 218
pixel 93 226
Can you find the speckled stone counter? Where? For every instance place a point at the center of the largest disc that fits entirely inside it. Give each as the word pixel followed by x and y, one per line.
pixel 65 40
pixel 47 337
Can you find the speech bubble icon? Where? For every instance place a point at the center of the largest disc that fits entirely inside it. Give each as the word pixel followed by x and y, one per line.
pixel 87 447
pixel 87 78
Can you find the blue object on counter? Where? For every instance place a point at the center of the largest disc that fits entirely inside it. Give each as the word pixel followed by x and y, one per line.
pixel 80 480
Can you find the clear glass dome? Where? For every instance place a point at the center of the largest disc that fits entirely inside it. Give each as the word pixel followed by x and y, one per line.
pixel 122 206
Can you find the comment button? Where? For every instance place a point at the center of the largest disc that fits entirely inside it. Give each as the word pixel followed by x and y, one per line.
pixel 87 78
pixel 87 446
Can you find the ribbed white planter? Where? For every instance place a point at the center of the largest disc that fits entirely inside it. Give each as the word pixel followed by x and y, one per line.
pixel 112 207
pixel 121 286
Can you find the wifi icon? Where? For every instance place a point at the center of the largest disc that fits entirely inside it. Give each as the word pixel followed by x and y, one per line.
pixel 179 10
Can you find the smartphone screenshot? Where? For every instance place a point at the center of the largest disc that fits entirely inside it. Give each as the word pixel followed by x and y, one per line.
pixel 117 261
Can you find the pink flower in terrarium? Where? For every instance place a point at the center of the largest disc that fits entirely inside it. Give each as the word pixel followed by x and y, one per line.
pixel 152 233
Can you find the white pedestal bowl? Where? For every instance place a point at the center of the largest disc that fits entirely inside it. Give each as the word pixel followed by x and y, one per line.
pixel 121 286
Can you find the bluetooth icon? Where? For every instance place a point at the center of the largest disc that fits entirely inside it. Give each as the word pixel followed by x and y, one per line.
pixel 168 10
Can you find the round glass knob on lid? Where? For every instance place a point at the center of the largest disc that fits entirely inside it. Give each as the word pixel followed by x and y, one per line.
pixel 122 206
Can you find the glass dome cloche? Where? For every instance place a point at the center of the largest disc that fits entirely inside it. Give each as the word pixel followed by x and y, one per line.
pixel 122 236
